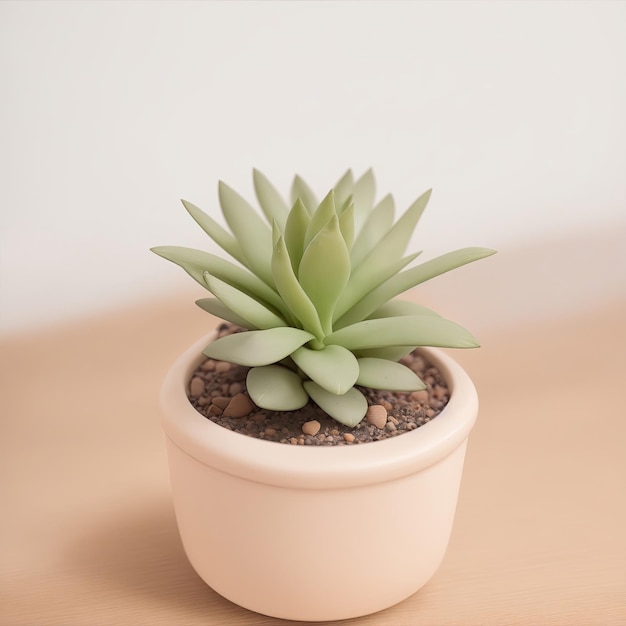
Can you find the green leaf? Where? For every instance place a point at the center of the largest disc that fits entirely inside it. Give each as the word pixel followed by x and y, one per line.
pixel 251 232
pixel 346 224
pixel 276 388
pixel 219 235
pixel 410 278
pixel 324 271
pixel 349 408
pixel 396 308
pixel 364 194
pixel 383 374
pixel 217 308
pixel 322 215
pixel 377 224
pixel 390 353
pixel 334 368
pixel 292 292
pixel 295 231
pixel 196 262
pixel 257 347
pixel 416 330
pixel 343 188
pixel 394 242
pixel 243 305
pixel 366 278
pixel 299 189
pixel 384 260
pixel 272 203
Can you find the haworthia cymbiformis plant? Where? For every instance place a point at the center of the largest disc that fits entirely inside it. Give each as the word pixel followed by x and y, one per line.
pixel 313 285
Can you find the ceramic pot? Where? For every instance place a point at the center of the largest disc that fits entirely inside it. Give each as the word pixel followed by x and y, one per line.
pixel 315 533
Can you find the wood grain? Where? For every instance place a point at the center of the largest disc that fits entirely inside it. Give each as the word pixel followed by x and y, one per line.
pixel 89 537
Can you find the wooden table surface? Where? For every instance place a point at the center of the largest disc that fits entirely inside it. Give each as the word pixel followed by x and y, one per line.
pixel 88 533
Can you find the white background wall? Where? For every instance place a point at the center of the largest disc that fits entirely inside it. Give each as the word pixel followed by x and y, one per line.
pixel 110 112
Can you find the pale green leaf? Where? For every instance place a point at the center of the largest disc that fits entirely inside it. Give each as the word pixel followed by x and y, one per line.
pixel 276 233
pixel 383 374
pixel 390 353
pixel 395 308
pixel 217 308
pixel 322 215
pixel 324 271
pixel 243 305
pixel 410 278
pixel 345 205
pixel 292 292
pixel 219 235
pixel 394 242
pixel 346 224
pixel 295 231
pixel 416 330
pixel 257 347
pixel 272 203
pixel 251 232
pixel 363 194
pixel 349 408
pixel 196 262
pixel 334 368
pixel 343 188
pixel 299 189
pixel 276 388
pixel 366 278
pixel 377 224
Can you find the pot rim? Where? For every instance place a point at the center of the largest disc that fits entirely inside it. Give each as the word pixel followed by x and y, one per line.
pixel 315 467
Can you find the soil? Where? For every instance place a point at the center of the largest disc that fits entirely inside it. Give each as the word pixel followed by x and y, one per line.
pixel 217 389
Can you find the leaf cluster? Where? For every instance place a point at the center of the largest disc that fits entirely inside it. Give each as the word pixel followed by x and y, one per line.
pixel 314 283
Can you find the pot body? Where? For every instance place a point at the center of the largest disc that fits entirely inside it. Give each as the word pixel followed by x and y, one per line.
pixel 315 534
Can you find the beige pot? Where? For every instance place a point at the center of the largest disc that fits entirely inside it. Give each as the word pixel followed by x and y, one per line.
pixel 315 533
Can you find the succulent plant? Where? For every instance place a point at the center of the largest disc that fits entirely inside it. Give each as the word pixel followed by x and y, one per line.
pixel 313 287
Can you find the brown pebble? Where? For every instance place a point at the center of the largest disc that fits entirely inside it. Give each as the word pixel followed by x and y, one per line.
pixel 293 441
pixel 215 410
pixel 203 401
pixel 270 432
pixel 419 396
pixel 311 428
pixel 222 366
pixel 376 415
pixel 221 401
pixel 208 365
pixel 196 387
pixel 349 437
pixel 235 388
pixel 239 406
pixel 388 406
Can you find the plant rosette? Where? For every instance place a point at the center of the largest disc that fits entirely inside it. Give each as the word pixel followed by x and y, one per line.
pixel 315 533
pixel 302 532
